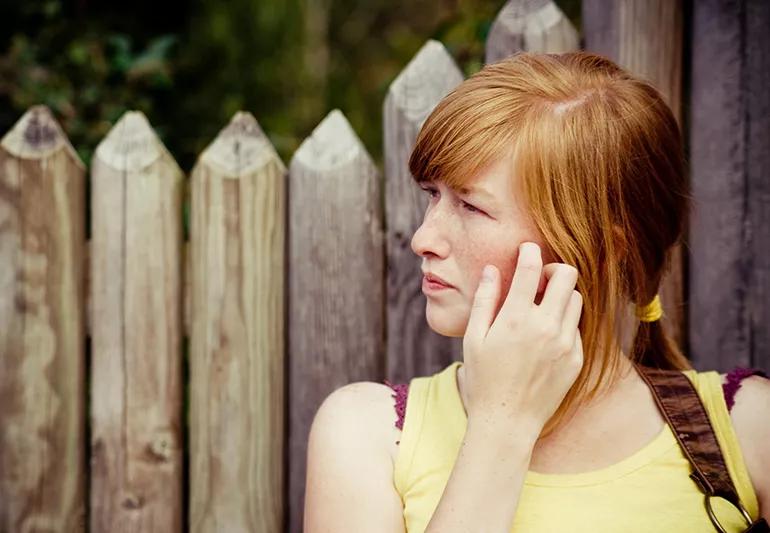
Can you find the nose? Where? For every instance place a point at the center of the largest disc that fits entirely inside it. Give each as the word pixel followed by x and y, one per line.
pixel 430 240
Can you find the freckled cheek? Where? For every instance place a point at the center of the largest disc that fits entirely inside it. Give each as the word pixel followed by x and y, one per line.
pixel 489 248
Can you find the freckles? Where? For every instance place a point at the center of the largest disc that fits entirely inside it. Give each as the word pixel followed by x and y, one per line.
pixel 478 250
pixel 491 248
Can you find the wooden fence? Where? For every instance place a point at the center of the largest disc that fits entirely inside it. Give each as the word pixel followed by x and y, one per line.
pixel 155 383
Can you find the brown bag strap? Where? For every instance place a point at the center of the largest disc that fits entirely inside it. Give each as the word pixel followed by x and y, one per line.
pixel 682 408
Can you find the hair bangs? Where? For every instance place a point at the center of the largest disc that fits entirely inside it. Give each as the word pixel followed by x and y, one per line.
pixel 458 140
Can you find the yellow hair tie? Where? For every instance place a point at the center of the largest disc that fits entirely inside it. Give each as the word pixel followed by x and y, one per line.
pixel 650 312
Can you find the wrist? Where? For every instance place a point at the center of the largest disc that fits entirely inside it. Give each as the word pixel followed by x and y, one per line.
pixel 509 436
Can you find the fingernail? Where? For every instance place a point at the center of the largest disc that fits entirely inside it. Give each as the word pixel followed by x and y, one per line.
pixel 486 274
pixel 532 245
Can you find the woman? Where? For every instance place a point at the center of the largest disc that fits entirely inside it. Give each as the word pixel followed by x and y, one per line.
pixel 557 190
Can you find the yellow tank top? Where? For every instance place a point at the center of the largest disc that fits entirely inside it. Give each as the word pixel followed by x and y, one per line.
pixel 649 491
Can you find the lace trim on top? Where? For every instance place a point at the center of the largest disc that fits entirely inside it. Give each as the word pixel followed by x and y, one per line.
pixel 401 390
pixel 733 383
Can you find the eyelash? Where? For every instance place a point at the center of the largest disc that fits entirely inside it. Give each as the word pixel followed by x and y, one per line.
pixel 468 207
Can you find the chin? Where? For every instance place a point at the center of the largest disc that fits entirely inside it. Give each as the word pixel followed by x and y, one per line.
pixel 446 322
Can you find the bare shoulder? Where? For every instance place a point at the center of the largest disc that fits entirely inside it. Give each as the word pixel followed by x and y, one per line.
pixel 367 406
pixel 349 485
pixel 751 420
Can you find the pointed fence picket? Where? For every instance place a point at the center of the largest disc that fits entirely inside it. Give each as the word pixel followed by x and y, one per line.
pixel 136 332
pixel 42 328
pixel 336 289
pixel 412 347
pixel 531 26
pixel 296 282
pixel 237 235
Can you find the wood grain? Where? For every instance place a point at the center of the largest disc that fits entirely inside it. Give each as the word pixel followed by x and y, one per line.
pixel 729 284
pixel 413 349
pixel 136 441
pixel 645 37
pixel 42 328
pixel 531 26
pixel 757 87
pixel 237 336
pixel 336 287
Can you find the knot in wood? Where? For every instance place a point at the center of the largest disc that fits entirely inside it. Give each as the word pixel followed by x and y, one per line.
pixel 133 501
pixel 162 446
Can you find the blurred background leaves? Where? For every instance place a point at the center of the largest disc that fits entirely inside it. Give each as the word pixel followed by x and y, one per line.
pixel 189 65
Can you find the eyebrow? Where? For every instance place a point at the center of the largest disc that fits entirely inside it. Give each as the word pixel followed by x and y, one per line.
pixel 477 191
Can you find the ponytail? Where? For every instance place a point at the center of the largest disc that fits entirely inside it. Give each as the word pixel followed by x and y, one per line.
pixel 652 347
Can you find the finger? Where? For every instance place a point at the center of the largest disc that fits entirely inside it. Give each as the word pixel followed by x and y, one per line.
pixel 526 278
pixel 577 349
pixel 571 323
pixel 546 273
pixel 484 304
pixel 561 282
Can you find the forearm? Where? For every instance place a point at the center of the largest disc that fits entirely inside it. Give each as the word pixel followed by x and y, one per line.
pixel 482 493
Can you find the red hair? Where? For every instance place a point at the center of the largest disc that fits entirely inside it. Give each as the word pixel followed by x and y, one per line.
pixel 602 168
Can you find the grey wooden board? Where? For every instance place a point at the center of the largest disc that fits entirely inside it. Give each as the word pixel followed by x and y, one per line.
pixel 729 150
pixel 758 174
pixel 336 288
pixel 532 26
pixel 600 32
pixel 413 349
pixel 645 38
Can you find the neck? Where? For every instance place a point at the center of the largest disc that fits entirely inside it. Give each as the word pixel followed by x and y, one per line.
pixel 626 375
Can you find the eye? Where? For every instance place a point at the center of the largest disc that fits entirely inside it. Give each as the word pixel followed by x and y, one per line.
pixel 432 192
pixel 471 208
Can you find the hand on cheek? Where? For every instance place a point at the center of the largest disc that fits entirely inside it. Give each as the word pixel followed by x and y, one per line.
pixel 506 266
pixel 508 278
pixel 521 362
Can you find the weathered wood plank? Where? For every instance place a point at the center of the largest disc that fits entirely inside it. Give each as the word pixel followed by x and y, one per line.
pixel 413 348
pixel 757 64
pixel 42 328
pixel 532 26
pixel 729 285
pixel 336 298
pixel 237 336
pixel 136 400
pixel 645 37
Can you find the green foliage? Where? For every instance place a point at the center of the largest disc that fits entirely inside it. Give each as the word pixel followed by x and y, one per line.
pixel 189 65
pixel 87 78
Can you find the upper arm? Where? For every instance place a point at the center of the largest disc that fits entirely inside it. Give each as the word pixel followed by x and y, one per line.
pixel 349 485
pixel 752 427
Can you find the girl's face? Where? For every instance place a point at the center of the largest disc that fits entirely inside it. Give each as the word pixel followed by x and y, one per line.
pixel 464 230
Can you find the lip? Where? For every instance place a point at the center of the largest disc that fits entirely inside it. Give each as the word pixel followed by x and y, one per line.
pixel 432 283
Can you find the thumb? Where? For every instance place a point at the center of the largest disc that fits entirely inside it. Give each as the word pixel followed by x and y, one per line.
pixel 484 304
